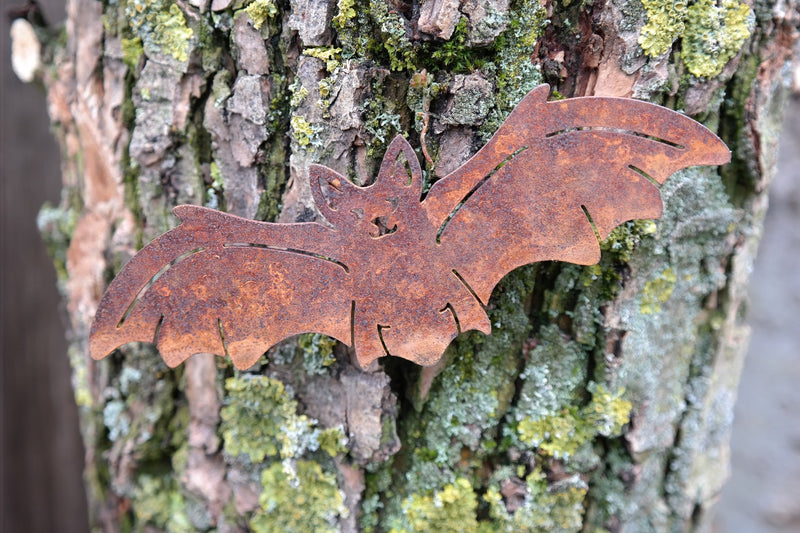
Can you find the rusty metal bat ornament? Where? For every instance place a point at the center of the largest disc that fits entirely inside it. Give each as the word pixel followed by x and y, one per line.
pixel 391 272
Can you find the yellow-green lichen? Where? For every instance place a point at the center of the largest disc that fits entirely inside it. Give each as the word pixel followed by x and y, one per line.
pixel 158 502
pixel 161 26
pixel 345 14
pixel 657 291
pixel 607 412
pixel 298 498
pixel 560 435
pixel 666 21
pixel 714 35
pixel 711 34
pixel 260 11
pixel 260 420
pixel 450 510
pixel 305 133
pixel 330 55
pixel 381 120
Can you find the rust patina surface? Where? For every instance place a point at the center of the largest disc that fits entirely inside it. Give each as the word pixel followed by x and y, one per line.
pixel 388 271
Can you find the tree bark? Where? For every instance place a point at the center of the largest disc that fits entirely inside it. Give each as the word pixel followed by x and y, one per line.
pixel 603 398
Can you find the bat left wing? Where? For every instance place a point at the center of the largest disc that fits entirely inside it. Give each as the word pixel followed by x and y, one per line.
pixel 226 285
pixel 558 176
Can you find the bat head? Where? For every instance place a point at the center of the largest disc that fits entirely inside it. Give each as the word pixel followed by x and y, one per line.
pixel 376 210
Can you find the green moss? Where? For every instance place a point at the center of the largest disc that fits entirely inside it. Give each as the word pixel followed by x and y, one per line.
pixel 714 35
pixel 260 420
pixel 275 174
pixel 161 26
pixel 131 52
pixel 624 239
pixel 261 11
pixel 657 291
pixel 453 55
pixel 317 352
pixel 299 501
pixel 449 510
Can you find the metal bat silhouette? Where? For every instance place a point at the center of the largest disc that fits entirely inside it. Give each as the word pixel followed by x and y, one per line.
pixel 393 273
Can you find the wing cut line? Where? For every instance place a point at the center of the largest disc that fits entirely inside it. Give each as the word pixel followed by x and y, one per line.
pixel 380 336
pixel 353 324
pixel 222 338
pixel 620 131
pixel 591 223
pixel 287 250
pixel 449 307
pixel 152 280
pixel 474 190
pixel 469 288
pixel 644 174
pixel 158 329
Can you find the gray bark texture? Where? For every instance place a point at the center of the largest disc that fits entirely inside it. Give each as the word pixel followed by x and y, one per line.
pixel 602 400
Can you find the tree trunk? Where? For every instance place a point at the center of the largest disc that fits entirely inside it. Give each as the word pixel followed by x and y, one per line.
pixel 602 400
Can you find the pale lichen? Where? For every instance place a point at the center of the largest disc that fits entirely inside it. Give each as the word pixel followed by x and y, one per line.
pixel 317 352
pixel 554 508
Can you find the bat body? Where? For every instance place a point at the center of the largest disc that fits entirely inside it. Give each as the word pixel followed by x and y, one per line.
pixel 393 273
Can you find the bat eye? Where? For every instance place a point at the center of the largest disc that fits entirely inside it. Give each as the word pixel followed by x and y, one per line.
pixel 357 212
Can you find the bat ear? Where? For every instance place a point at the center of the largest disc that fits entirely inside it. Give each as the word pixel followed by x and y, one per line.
pixel 401 173
pixel 331 192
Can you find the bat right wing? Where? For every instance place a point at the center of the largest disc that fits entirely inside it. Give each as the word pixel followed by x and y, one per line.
pixel 208 284
pixel 558 176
